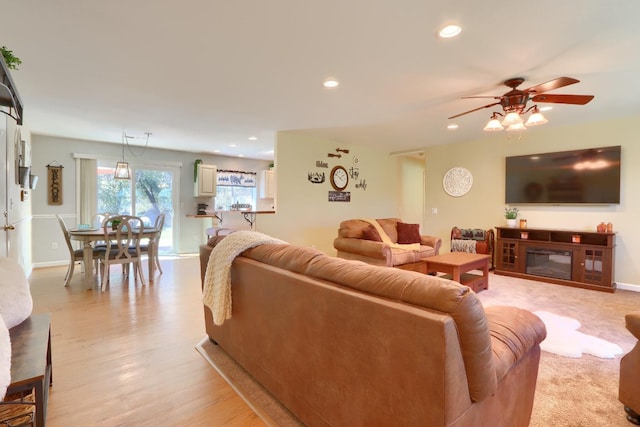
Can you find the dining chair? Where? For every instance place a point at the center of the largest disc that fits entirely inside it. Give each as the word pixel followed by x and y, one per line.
pixel 75 255
pixel 159 224
pixel 122 246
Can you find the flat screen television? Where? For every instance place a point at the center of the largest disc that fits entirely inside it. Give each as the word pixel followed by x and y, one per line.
pixel 590 176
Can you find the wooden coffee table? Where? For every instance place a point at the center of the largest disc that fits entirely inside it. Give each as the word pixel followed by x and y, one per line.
pixel 456 265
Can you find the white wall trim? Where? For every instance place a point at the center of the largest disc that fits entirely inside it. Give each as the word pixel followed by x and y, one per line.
pixel 628 287
pixel 50 216
pixel 49 264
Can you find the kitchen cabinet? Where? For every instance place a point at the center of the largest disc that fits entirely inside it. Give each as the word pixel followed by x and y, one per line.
pixel 268 184
pixel 206 181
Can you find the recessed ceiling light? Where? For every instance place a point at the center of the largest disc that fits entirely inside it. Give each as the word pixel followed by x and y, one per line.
pixel 240 155
pixel 330 83
pixel 232 145
pixel 216 151
pixel 449 31
pixel 452 126
pixel 547 108
pixel 253 138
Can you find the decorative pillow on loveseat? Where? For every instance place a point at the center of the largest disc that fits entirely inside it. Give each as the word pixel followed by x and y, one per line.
pixel 408 233
pixel 371 233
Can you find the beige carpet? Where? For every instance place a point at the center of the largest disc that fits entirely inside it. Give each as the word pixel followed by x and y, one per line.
pixel 570 392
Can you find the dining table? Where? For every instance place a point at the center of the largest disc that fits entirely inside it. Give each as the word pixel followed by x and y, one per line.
pixel 92 235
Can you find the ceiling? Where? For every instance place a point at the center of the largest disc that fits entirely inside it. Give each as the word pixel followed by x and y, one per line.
pixel 202 75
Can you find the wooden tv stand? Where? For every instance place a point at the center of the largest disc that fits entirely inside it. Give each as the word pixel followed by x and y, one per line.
pixel 581 259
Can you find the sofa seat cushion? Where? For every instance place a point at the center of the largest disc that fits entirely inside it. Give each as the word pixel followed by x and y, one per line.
pixel 403 256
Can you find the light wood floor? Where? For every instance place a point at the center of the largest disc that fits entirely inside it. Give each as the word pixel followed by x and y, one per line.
pixel 126 356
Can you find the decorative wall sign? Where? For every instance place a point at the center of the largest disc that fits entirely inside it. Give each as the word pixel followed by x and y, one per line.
pixel 339 196
pixel 316 177
pixel 321 164
pixel 362 184
pixel 54 185
pixel 457 181
pixel 354 172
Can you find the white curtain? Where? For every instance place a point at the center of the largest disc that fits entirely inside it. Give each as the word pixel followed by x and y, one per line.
pixel 88 190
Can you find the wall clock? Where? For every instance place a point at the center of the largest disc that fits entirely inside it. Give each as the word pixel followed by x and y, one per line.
pixel 457 181
pixel 339 178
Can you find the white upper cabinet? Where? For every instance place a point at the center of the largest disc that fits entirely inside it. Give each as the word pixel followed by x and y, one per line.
pixel 207 180
pixel 267 184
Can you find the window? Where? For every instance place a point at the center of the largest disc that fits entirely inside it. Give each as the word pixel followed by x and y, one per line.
pixel 148 193
pixel 235 187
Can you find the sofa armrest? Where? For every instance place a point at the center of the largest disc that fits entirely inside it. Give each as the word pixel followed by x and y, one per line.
pixel 632 321
pixel 363 247
pixel 514 332
pixel 434 242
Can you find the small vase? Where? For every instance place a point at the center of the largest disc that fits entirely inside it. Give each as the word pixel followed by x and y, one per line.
pixel 511 222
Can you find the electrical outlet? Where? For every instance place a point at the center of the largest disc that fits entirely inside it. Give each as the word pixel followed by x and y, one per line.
pixel 54 245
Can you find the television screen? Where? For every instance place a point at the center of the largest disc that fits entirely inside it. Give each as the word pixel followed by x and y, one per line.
pixel 579 176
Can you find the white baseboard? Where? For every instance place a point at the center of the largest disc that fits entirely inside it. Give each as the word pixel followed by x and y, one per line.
pixel 49 264
pixel 628 287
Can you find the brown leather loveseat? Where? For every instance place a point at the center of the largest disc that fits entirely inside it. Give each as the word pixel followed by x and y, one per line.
pixel 344 343
pixel 359 241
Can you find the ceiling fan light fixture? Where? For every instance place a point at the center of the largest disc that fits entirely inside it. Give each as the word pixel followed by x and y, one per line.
pixel 511 119
pixel 516 127
pixel 494 124
pixel 536 118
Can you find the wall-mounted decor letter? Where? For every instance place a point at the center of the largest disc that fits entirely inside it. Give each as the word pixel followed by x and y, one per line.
pixel 54 185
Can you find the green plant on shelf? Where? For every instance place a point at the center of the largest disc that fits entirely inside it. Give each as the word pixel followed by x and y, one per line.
pixel 510 213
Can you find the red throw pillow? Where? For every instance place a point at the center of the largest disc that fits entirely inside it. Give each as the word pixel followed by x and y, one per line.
pixel 482 248
pixel 371 233
pixel 408 233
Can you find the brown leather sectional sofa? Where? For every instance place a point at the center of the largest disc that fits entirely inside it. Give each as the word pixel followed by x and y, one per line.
pixel 344 343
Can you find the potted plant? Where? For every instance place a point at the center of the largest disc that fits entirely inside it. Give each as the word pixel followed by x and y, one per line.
pixel 10 59
pixel 511 214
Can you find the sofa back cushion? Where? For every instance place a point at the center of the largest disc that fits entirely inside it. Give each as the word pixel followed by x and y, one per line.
pixel 401 286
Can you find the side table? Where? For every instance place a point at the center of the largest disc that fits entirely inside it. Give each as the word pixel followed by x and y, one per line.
pixel 31 361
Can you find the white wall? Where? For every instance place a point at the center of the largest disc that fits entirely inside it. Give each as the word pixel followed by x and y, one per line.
pixel 47 149
pixel 304 215
pixel 483 206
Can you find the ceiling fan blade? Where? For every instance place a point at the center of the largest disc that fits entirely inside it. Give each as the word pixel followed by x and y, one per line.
pixel 475 109
pixel 552 84
pixel 480 96
pixel 563 99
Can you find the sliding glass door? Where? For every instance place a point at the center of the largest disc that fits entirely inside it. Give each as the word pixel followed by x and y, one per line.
pixel 147 194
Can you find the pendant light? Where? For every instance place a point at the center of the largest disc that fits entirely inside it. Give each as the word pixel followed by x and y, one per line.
pixel 122 168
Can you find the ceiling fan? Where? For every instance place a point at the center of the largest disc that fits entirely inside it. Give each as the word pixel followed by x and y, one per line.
pixel 514 102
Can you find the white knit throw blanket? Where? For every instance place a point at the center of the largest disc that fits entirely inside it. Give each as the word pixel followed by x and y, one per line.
pixel 387 240
pixel 216 292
